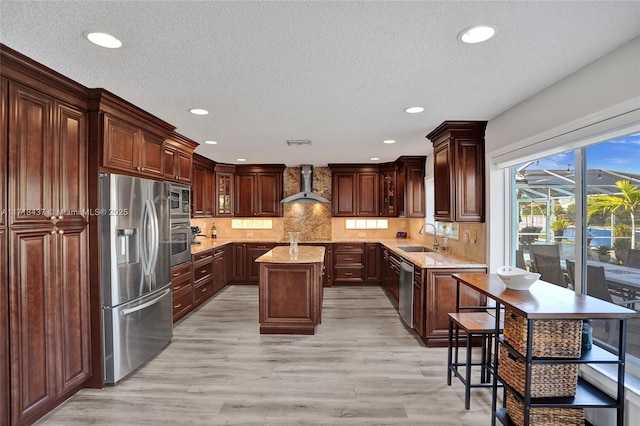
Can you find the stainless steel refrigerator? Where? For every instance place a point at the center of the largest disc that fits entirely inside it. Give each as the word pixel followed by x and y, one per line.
pixel 135 272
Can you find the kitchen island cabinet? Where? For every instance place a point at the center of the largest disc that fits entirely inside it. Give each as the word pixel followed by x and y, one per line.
pixel 290 290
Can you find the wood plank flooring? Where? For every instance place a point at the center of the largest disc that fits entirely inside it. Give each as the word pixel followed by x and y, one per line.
pixel 363 367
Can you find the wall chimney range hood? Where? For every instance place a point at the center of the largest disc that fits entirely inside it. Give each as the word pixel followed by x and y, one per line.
pixel 306 194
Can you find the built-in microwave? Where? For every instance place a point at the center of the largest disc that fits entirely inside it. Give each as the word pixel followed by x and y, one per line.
pixel 180 201
pixel 180 242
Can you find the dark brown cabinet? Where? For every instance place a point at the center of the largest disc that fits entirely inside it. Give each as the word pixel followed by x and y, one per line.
pixel 4 256
pixel 355 190
pixel 348 263
pixel 245 269
pixel 128 148
pixel 130 140
pixel 418 300
pixel 458 153
pixel 178 158
pixel 389 190
pixel 202 276
pixel 224 186
pixel 48 264
pixel 372 263
pixel 219 269
pixel 258 190
pixel 390 273
pixel 410 184
pixel 202 187
pixel 182 288
pixel 440 299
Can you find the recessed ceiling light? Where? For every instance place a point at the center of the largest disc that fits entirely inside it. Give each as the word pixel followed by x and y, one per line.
pixel 414 109
pixel 241 159
pixel 211 142
pixel 104 40
pixel 198 111
pixel 389 141
pixel 374 158
pixel 477 34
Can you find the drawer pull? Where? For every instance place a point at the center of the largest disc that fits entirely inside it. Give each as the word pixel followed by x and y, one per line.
pixel 175 274
pixel 348 258
pixel 179 305
pixel 203 271
pixel 348 274
pixel 177 287
pixel 203 290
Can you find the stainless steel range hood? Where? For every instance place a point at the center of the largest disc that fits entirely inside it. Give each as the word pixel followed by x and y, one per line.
pixel 306 194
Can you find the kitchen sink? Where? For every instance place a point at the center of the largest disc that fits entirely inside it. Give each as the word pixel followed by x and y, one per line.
pixel 415 249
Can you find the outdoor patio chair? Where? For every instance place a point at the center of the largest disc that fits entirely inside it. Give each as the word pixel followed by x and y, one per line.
pixel 549 269
pixel 633 259
pixel 544 249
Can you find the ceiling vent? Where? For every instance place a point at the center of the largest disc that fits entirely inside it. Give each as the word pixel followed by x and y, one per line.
pixel 298 142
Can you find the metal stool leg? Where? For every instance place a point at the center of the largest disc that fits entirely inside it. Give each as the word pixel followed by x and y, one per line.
pixel 450 353
pixel 467 385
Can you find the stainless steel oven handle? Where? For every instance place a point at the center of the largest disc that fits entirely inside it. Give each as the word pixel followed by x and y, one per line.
pixel 144 305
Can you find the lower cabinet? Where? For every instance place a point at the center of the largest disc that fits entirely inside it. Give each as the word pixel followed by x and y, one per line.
pixel 182 290
pixel 202 276
pixel 49 332
pixel 219 269
pixel 418 300
pixel 439 290
pixel 390 273
pixel 348 263
pixel 245 269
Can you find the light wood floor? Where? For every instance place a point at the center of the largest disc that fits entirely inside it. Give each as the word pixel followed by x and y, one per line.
pixel 362 367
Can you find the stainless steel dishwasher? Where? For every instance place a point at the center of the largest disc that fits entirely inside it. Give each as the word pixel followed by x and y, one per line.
pixel 405 296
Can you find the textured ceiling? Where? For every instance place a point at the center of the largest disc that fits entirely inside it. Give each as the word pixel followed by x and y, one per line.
pixel 337 73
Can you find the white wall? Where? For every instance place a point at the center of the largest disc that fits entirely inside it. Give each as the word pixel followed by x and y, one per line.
pixel 603 97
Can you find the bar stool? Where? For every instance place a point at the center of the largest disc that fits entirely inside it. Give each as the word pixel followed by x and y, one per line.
pixel 474 324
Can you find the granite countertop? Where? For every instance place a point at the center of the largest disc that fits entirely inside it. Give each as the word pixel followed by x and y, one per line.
pixel 424 260
pixel 306 254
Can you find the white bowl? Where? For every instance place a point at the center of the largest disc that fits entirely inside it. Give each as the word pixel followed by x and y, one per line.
pixel 516 278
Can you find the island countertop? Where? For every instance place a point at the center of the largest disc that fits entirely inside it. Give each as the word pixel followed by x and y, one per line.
pixel 306 254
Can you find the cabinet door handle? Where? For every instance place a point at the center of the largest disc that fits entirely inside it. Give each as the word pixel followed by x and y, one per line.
pixel 138 168
pixel 61 231
pixel 54 230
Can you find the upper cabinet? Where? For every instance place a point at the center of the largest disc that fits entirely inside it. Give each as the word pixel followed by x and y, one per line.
pixel 202 187
pixel 224 186
pixel 411 195
pixel 355 190
pixel 458 152
pixel 132 140
pixel 389 189
pixel 258 190
pixel 178 158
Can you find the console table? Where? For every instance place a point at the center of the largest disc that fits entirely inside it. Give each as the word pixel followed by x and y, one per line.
pixel 545 301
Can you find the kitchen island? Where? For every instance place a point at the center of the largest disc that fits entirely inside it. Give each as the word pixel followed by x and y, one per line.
pixel 290 290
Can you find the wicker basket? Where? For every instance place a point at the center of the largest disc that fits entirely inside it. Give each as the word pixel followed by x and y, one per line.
pixel 551 338
pixel 544 416
pixel 547 380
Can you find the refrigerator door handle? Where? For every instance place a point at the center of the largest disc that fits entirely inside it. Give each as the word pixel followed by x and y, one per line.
pixel 155 236
pixel 145 243
pixel 144 305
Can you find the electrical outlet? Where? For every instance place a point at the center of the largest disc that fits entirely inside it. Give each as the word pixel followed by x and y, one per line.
pixel 403 224
pixel 249 234
pixel 362 234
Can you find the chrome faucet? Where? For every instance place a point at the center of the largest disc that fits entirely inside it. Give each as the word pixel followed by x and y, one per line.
pixel 435 234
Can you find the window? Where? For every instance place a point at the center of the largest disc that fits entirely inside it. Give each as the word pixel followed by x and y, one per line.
pixel 575 219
